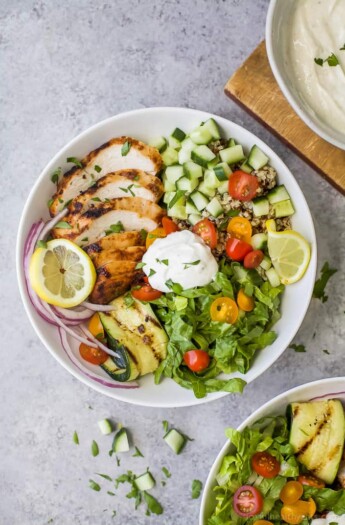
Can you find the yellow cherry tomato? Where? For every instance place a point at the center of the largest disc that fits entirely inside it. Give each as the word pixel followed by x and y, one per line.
pixel 296 512
pixel 157 233
pixel 224 310
pixel 291 492
pixel 262 522
pixel 96 327
pixel 240 228
pixel 244 301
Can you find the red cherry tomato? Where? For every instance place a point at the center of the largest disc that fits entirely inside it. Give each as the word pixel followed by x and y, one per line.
pixel 196 360
pixel 253 259
pixel 207 231
pixel 236 249
pixel 169 225
pixel 146 293
pixel 243 186
pixel 96 356
pixel 248 501
pixel 265 465
pixel 311 481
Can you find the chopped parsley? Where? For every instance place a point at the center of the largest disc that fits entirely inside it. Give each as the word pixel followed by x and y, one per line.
pixel 325 351
pixel 165 424
pixel 60 200
pixel 115 228
pixel 153 506
pixel 125 148
pixel 196 488
pixel 298 348
pixel 331 60
pixel 85 239
pixel 136 177
pixel 75 438
pixel 176 198
pixel 97 168
pixel 166 472
pixel 137 453
pixel 188 265
pixel 319 61
pixel 64 225
pixel 96 199
pixel 143 234
pixel 128 299
pixel 75 161
pixel 104 476
pixel 129 189
pixel 55 176
pixel 175 287
pixel 68 203
pixel 94 486
pixel 152 272
pixel 50 202
pixel 140 265
pixel 321 282
pixel 94 448
pixel 163 261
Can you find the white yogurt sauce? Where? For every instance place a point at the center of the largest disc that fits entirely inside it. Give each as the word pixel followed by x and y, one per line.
pixel 330 518
pixel 182 257
pixel 317 31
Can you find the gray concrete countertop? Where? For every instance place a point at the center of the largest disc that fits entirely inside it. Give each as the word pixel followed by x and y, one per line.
pixel 65 66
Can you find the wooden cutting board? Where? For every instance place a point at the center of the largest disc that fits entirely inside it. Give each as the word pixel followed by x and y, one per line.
pixel 254 87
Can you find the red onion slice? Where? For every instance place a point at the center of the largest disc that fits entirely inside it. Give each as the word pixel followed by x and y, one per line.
pixel 97 342
pixel 50 224
pixel 98 307
pixel 73 316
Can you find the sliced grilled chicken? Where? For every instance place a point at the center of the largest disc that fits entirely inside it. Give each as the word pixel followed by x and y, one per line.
pixel 107 159
pixel 113 280
pixel 116 241
pixel 132 253
pixel 134 213
pixel 123 183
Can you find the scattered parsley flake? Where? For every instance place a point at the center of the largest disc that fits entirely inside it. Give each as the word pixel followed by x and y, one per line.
pixel 163 261
pixel 152 504
pixel 96 199
pixel 115 228
pixel 128 299
pixel 111 493
pixel 298 348
pixel 50 202
pixel 94 448
pixel 85 239
pixel 325 351
pixel 97 168
pixel 166 472
pixel 320 284
pixel 188 265
pixel 68 203
pixel 140 265
pixel 136 177
pixel 75 161
pixel 319 61
pixel 143 234
pixel 196 488
pixel 165 426
pixel 94 486
pixel 55 176
pixel 332 60
pixel 125 148
pixel 118 462
pixel 137 453
pixel 152 272
pixel 60 200
pixel 75 438
pixel 105 476
pixel 114 512
pixel 176 198
pixel 64 225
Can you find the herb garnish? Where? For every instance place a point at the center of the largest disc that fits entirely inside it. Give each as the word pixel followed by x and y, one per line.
pixel 320 284
pixel 298 348
pixel 75 161
pixel 165 424
pixel 128 299
pixel 50 202
pixel 64 225
pixel 55 176
pixel 94 448
pixel 331 60
pixel 196 488
pixel 319 61
pixel 97 168
pixel 176 198
pixel 175 287
pixel 325 351
pixel 143 234
pixel 187 265
pixel 75 438
pixel 105 476
pixel 166 472
pixel 152 272
pixel 137 453
pixel 85 239
pixel 125 148
pixel 163 261
pixel 94 486
pixel 60 200
pixel 96 199
pixel 115 228
pixel 140 265
pixel 152 504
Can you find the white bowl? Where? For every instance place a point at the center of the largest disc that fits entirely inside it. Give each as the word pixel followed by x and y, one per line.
pixel 327 388
pixel 277 37
pixel 145 124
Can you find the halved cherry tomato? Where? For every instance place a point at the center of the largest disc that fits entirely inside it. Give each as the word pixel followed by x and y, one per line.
pixel 243 186
pixel 265 465
pixel 311 481
pixel 237 250
pixel 96 327
pixel 207 231
pixel 291 492
pixel 262 522
pixel 196 360
pixel 146 293
pixel 157 233
pixel 224 310
pixel 169 225
pixel 244 301
pixel 247 501
pixel 96 356
pixel 296 512
pixel 240 228
pixel 253 259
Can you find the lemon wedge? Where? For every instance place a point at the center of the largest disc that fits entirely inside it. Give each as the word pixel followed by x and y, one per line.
pixel 61 273
pixel 289 252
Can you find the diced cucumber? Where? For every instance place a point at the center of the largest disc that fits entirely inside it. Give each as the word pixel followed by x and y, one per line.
pixel 120 441
pixel 168 185
pixel 213 163
pixel 175 440
pixel 145 482
pixel 283 209
pixel 160 143
pixel 223 188
pixel 194 218
pixel 187 143
pixel 261 206
pixel 193 170
pixel 220 173
pixel 168 195
pixel 190 207
pixel 174 173
pixel 178 134
pixel 206 190
pixel 231 143
pixel 211 180
pixel 186 184
pixel 232 155
pixel 200 135
pixel 225 167
pixel 266 263
pixel 170 156
pixel 215 207
pixel 273 277
pixel 259 241
pixel 184 155
pixel 202 155
pixel 278 194
pixel 245 167
pixel 105 426
pixel 257 159
pixel 199 200
pixel 174 143
pixel 212 126
pixel 178 211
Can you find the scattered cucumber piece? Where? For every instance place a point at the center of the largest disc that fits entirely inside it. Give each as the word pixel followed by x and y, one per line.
pixel 193 170
pixel 273 277
pixel 232 155
pixel 261 206
pixel 220 172
pixel 266 263
pixel 190 207
pixel 174 143
pixel 186 184
pixel 224 187
pixel 168 185
pixel 168 196
pixel 145 482
pixel 199 200
pixel 257 159
pixel 202 155
pixel 178 134
pixel 194 218
pixel 206 190
pixel 160 143
pixel 120 441
pixel 170 156
pixel 210 179
pixel 174 173
pixel 105 426
pixel 215 207
pixel 245 167
pixel 259 241
pixel 283 209
pixel 200 135
pixel 213 128
pixel 175 440
pixel 278 194
pixel 231 143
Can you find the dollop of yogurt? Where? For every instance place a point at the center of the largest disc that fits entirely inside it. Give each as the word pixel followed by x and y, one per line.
pixel 181 257
pixel 330 518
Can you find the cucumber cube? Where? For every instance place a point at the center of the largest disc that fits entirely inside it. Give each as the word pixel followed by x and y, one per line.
pixel 193 170
pixel 232 155
pixel 170 156
pixel 173 173
pixel 202 155
pixel 283 209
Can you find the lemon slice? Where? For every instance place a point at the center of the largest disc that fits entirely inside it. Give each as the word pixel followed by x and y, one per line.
pixel 62 273
pixel 289 252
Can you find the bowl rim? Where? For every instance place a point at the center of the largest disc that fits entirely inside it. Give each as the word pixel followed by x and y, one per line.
pixel 21 239
pixel 333 381
pixel 302 113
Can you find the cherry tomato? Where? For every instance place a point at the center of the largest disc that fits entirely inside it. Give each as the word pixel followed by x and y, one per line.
pixel 169 226
pixel 244 301
pixel 96 327
pixel 265 465
pixel 243 186
pixel 262 522
pixel 207 231
pixel 157 233
pixel 96 356
pixel 146 293
pixel 237 250
pixel 311 481
pixel 240 228
pixel 248 501
pixel 253 259
pixel 296 512
pixel 224 310
pixel 291 492
pixel 196 360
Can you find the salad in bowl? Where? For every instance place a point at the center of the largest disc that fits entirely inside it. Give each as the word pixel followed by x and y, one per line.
pixel 168 258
